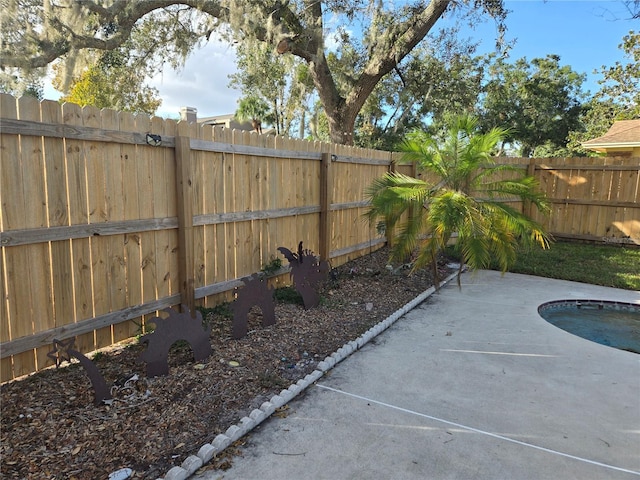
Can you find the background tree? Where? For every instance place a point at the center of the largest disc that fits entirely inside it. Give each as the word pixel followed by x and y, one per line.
pixel 441 77
pixel 464 198
pixel 281 81
pixel 16 84
pixel 254 109
pixel 617 99
pixel 111 82
pixel 634 7
pixel 538 102
pixel 165 31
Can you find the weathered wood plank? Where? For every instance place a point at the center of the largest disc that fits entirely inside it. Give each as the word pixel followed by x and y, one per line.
pixel 37 269
pixel 44 338
pixel 77 132
pixel 241 149
pixel 130 156
pixel 604 203
pixel 232 217
pixel 631 168
pixel 184 189
pixel 326 189
pixel 52 234
pixel 360 160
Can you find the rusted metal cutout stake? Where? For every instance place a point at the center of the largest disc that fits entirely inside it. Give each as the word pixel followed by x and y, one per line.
pixel 63 350
pixel 307 271
pixel 255 292
pixel 177 326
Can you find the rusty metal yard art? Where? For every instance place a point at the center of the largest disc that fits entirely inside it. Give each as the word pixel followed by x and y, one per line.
pixel 169 330
pixel 307 271
pixel 255 292
pixel 63 351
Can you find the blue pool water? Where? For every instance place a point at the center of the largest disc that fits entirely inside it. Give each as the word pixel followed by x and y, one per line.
pixel 615 324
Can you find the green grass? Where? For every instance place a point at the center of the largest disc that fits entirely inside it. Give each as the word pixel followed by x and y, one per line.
pixel 607 265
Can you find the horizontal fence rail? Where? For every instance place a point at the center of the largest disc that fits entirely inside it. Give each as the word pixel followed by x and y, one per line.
pixel 108 218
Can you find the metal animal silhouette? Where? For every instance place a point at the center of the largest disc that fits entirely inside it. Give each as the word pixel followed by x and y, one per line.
pixel 307 271
pixel 177 326
pixel 255 292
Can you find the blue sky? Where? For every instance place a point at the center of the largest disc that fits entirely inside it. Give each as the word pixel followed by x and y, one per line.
pixel 585 34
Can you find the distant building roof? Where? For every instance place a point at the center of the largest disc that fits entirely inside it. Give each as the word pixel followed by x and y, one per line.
pixel 190 114
pixel 623 133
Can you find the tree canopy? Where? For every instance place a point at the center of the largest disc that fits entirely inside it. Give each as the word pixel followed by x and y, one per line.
pixel 165 31
pixel 617 99
pixel 111 82
pixel 539 101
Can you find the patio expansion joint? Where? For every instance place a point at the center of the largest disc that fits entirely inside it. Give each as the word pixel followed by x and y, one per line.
pixel 482 432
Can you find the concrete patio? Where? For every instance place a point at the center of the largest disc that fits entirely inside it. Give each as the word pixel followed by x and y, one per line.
pixel 471 384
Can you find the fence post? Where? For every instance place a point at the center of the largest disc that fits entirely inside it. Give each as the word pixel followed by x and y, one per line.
pixel 185 219
pixel 325 206
pixel 527 208
pixel 389 232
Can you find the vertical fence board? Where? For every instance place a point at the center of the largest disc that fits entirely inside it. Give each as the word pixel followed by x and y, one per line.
pixel 118 198
pixel 13 258
pixel 16 261
pixel 242 198
pixel 325 206
pixel 199 201
pixel 214 203
pixel 57 201
pixel 184 189
pixel 77 182
pixel 164 185
pixel 97 213
pixel 629 225
pixel 254 185
pixel 36 155
pixel 222 164
pixel 146 162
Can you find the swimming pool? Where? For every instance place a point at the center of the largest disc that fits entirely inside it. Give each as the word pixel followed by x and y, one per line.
pixel 614 324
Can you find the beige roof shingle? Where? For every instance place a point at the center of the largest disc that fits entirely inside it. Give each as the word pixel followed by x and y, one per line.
pixel 622 132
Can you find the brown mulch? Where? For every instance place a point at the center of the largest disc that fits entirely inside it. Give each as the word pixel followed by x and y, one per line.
pixel 52 430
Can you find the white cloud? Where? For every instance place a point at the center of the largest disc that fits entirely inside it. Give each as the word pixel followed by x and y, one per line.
pixel 202 83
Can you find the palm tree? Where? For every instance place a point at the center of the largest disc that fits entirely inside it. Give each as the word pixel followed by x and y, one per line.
pixel 467 199
pixel 254 109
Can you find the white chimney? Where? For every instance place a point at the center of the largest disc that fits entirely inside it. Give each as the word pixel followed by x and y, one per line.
pixel 189 114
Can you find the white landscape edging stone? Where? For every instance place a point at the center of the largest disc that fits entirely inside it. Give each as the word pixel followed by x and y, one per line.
pixel 209 450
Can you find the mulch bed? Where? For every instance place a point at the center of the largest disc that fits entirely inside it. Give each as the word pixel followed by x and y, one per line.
pixel 52 430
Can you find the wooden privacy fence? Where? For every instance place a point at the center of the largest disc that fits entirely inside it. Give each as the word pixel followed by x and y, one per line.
pixel 592 198
pixel 109 217
pixel 100 228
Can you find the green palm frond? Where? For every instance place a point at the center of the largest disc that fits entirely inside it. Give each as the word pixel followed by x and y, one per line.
pixel 467 198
